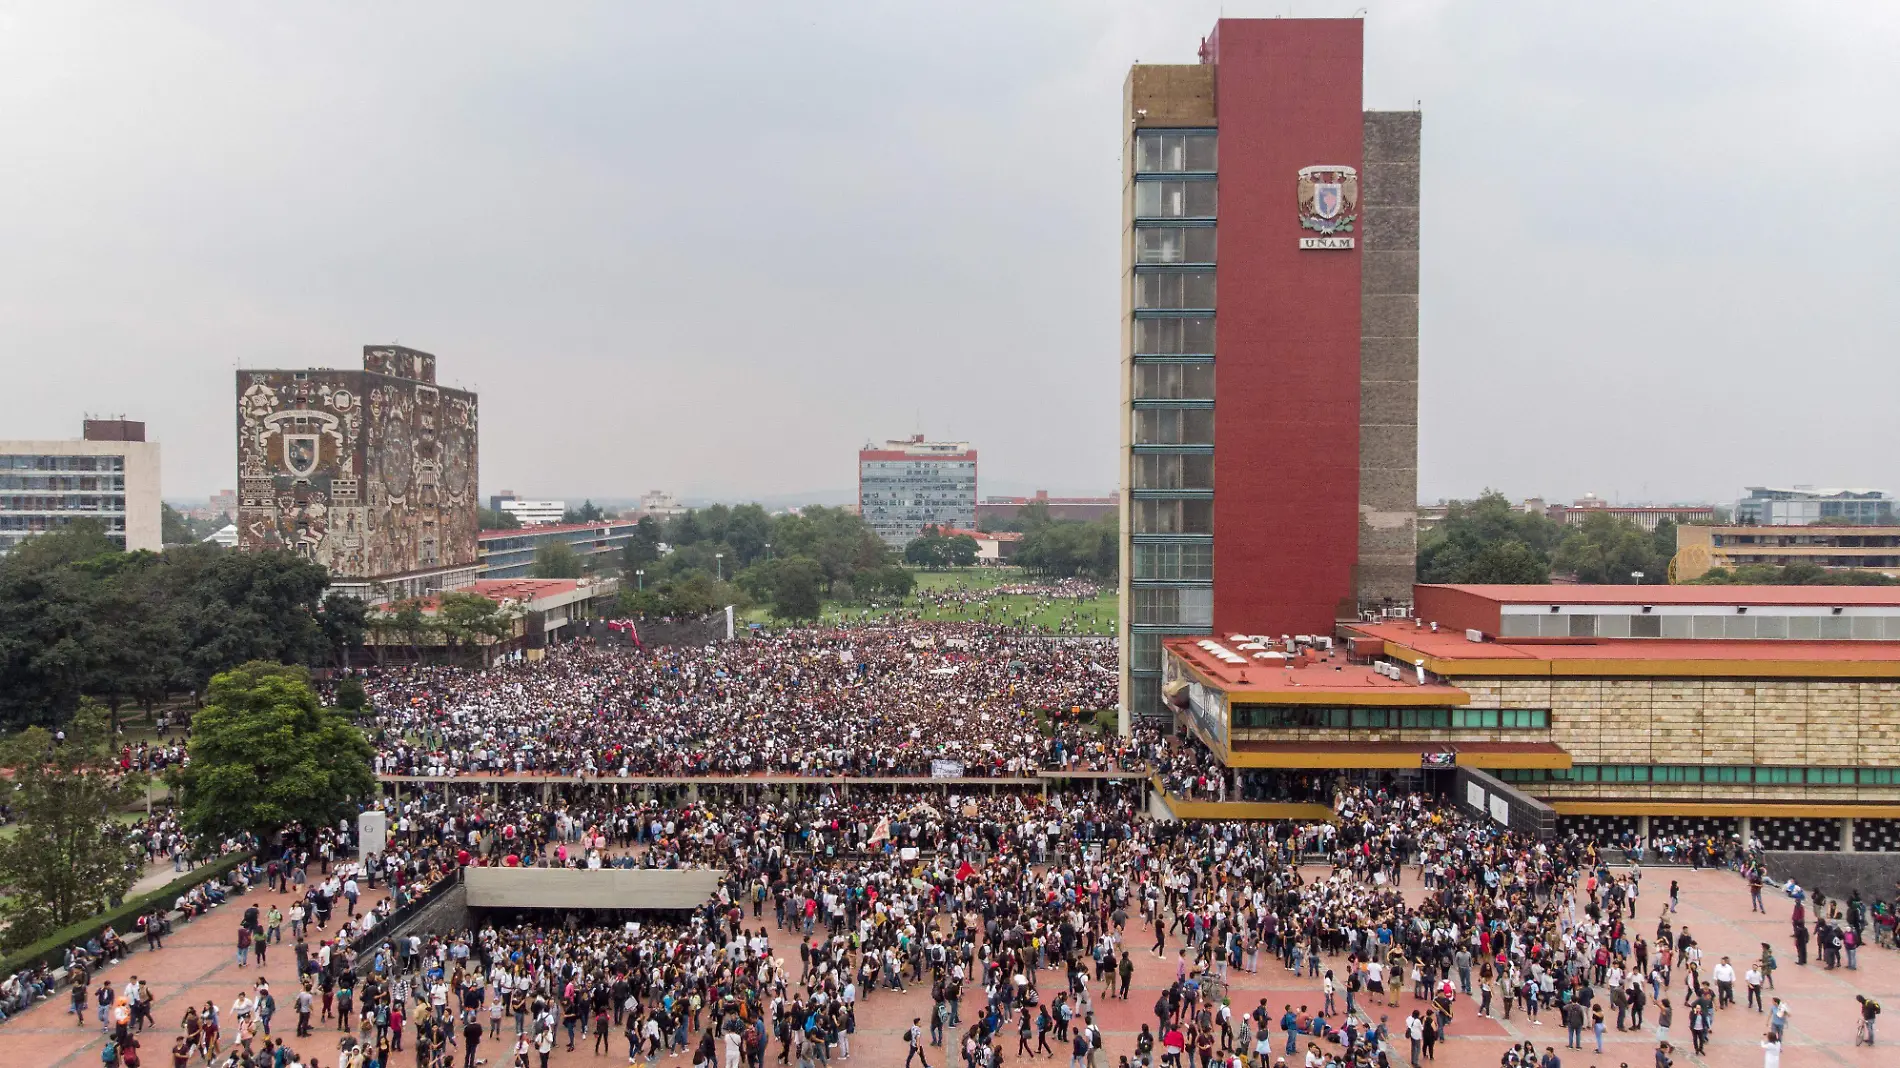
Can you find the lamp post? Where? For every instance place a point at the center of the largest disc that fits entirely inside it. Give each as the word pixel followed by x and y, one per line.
pixel 719 566
pixel 768 550
pixel 640 578
pixel 1636 577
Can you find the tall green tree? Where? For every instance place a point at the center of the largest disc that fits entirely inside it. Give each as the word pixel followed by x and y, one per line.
pixel 642 548
pixel 65 859
pixel 1474 543
pixel 265 755
pixel 1065 549
pixel 496 519
pixel 588 512
pixel 798 589
pixel 466 619
pixel 173 529
pixel 556 560
pixel 1611 550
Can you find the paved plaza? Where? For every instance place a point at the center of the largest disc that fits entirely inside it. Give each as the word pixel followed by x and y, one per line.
pixel 199 963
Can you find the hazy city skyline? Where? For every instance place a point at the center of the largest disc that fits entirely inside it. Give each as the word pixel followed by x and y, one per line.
pixel 717 249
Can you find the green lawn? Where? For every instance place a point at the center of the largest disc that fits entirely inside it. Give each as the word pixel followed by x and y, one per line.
pixel 1096 616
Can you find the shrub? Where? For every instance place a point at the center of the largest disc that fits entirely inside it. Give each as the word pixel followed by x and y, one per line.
pixel 52 948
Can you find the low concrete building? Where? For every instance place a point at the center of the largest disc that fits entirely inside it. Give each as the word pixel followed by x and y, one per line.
pixel 1700 549
pixel 1653 711
pixel 110 475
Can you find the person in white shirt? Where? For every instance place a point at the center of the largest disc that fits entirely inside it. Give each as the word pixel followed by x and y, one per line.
pixel 1752 979
pixel 1724 973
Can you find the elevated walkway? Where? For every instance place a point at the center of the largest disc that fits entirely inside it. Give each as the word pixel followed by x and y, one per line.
pixel 606 888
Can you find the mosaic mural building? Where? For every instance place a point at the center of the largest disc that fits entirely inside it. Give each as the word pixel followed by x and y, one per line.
pixel 370 473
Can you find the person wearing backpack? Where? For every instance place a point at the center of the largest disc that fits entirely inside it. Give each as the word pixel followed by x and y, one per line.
pixel 915 1039
pixel 1869 1009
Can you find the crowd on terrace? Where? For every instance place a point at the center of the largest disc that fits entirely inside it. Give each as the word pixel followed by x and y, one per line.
pixel 879 702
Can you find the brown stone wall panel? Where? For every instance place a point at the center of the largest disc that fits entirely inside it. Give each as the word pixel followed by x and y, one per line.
pixel 1728 712
pixel 1485 693
pixel 1172 94
pixel 1781 722
pixel 1619 723
pixel 1389 271
pixel 1879 740
pixel 1388 316
pixel 1389 185
pixel 1392 136
pixel 1389 227
pixel 1388 359
pixel 1389 402
pixel 1834 715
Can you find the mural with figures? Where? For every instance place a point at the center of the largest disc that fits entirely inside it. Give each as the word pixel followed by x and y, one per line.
pixel 369 474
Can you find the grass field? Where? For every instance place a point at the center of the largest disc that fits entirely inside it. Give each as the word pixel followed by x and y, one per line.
pixel 941 596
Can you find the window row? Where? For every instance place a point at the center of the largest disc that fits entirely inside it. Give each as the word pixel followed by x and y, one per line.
pixel 1175 289
pixel 1748 626
pixel 1174 426
pixel 21 462
pixel 1174 244
pixel 1707 773
pixel 1168 150
pixel 1296 717
pixel 1174 381
pixel 1193 336
pixel 1193 199
pixel 1178 607
pixel 1172 471
pixel 1171 517
pixel 1174 562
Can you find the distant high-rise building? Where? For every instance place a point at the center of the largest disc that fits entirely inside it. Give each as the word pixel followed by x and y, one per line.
pixel 1270 260
pixel 905 486
pixel 535 513
pixel 660 504
pixel 1768 506
pixel 371 473
pixel 110 476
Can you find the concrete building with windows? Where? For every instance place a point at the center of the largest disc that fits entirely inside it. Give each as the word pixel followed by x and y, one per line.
pixel 905 486
pixel 535 513
pixel 1700 549
pixel 1769 506
pixel 509 554
pixel 1772 711
pixel 1647 516
pixel 110 476
pixel 1073 509
pixel 1269 343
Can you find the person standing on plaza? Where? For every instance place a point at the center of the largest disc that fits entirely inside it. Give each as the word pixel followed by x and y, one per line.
pixel 1770 1051
pixel 1752 980
pixel 1869 1010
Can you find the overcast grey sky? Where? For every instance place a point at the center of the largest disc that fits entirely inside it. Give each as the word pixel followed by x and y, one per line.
pixel 714 247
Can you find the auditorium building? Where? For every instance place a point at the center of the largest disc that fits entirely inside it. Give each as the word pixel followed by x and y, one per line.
pixel 1269 343
pixel 1763 711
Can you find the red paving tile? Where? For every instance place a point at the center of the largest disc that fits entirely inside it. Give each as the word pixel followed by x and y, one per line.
pixel 199 962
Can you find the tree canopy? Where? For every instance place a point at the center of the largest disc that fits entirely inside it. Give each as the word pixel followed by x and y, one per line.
pixel 496 519
pixel 935 550
pixel 79 617
pixel 556 560
pixel 266 755
pixel 1066 549
pixel 66 859
pixel 1793 575
pixel 725 555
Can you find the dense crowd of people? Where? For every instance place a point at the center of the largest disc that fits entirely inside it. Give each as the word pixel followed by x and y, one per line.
pixel 883 702
pixel 1015 911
